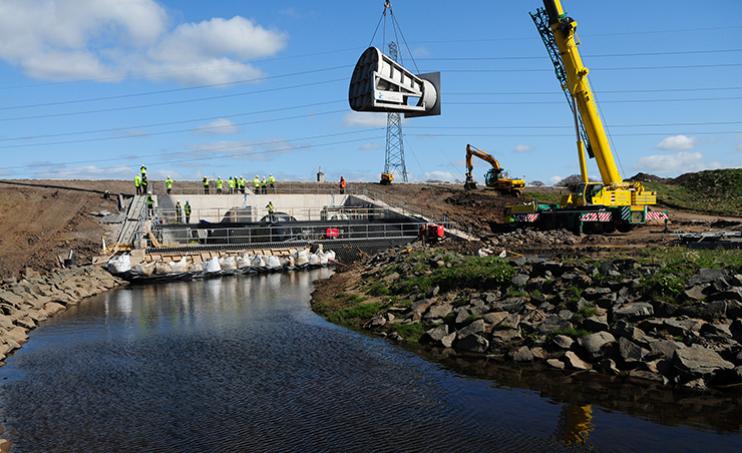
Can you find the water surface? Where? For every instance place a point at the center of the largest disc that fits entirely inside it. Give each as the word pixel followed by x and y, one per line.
pixel 242 364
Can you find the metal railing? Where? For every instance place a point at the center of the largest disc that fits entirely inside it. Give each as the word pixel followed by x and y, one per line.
pixel 280 188
pixel 291 232
pixel 250 214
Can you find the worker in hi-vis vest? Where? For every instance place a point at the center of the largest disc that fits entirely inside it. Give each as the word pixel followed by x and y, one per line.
pixel 205 183
pixel 256 184
pixel 138 184
pixel 219 184
pixel 169 185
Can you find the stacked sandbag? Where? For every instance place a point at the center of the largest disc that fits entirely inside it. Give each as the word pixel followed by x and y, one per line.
pixel 212 266
pixel 163 268
pixel 181 266
pixel 228 263
pixel 145 269
pixel 273 263
pixel 119 264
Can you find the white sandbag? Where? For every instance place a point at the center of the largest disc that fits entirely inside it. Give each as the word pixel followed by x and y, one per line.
pixel 228 263
pixel 290 262
pixel 180 266
pixel 146 269
pixel 273 263
pixel 331 256
pixel 302 258
pixel 212 266
pixel 163 268
pixel 323 259
pixel 244 261
pixel 258 262
pixel 314 260
pixel 119 264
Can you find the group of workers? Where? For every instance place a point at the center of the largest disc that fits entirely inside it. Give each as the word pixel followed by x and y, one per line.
pixel 236 184
pixel 180 210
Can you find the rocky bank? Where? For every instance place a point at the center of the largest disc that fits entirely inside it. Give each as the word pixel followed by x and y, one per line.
pixel 26 302
pixel 669 317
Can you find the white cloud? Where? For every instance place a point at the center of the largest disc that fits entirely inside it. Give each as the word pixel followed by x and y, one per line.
pixel 677 143
pixel 365 119
pixel 218 126
pixel 84 172
pixel 114 39
pixel 555 180
pixel 440 175
pixel 369 147
pixel 680 162
pixel 522 148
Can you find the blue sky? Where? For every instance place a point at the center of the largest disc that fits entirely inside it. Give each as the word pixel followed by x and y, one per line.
pixel 93 88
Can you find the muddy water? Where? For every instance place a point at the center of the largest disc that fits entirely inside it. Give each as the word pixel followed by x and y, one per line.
pixel 242 364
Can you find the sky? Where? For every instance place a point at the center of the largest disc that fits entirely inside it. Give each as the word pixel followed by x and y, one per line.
pixel 91 89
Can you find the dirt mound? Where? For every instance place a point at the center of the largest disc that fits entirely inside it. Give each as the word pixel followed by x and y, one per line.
pixel 646 177
pixel 40 224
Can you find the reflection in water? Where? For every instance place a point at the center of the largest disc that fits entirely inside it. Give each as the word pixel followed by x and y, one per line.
pixel 243 364
pixel 575 425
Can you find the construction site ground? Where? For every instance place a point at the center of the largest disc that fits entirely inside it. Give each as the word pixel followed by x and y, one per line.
pixel 42 221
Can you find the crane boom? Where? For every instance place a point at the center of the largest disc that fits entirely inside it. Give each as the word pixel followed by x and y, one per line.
pixel 563 29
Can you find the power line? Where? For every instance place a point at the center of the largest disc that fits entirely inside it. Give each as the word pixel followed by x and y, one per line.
pixel 149 93
pixel 637 134
pixel 566 126
pixel 551 92
pixel 141 106
pixel 176 153
pixel 610 55
pixel 170 132
pixel 169 123
pixel 618 68
pixel 616 101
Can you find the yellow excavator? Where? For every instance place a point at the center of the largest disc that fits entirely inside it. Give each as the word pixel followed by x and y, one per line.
pixel 599 206
pixel 386 178
pixel 495 177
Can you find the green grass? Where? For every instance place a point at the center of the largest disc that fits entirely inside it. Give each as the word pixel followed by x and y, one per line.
pixel 410 332
pixel 465 272
pixel 572 332
pixel 378 289
pixel 713 192
pixel 355 315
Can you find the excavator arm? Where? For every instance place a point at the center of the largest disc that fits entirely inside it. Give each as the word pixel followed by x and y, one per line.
pixel 472 151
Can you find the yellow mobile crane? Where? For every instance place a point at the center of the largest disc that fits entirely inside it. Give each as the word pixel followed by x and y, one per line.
pixel 494 177
pixel 602 206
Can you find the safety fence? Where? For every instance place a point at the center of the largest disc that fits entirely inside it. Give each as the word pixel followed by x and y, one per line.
pixel 281 188
pixel 292 232
pixel 250 214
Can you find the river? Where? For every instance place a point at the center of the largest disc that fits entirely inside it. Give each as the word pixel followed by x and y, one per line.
pixel 243 364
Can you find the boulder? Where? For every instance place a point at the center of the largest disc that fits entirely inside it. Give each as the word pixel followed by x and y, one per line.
pixel 697 361
pixel 555 363
pixel 506 336
pixel 664 349
pixel 472 343
pixel 634 311
pixel 594 343
pixel 448 340
pixel 630 352
pixel 596 323
pixel 520 280
pixel 696 292
pixel 473 328
pixel 53 308
pixel 563 341
pixel 436 334
pixel 463 316
pixel 495 318
pixel 574 361
pixel 707 276
pixel 439 311
pixel 17 334
pixel 523 354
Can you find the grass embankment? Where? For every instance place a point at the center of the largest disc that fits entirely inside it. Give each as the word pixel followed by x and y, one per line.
pixel 355 297
pixel 713 192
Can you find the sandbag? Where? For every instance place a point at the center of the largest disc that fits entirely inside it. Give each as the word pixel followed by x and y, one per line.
pixel 258 262
pixel 323 259
pixel 119 264
pixel 180 266
pixel 302 258
pixel 314 260
pixel 228 263
pixel 212 266
pixel 163 268
pixel 145 269
pixel 273 263
pixel 331 256
pixel 244 261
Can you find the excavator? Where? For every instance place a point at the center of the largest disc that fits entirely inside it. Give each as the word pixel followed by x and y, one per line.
pixel 594 206
pixel 494 177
